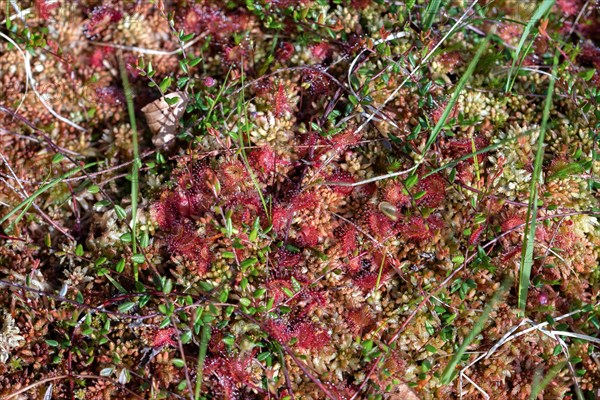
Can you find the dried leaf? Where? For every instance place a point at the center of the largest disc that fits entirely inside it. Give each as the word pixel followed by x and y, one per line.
pixel 163 118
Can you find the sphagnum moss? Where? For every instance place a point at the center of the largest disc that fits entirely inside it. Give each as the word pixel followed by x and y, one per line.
pixel 305 287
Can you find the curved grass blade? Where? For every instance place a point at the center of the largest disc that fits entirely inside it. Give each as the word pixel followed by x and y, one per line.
pixel 432 10
pixel 25 204
pixel 449 371
pixel 519 54
pixel 459 87
pixel 531 220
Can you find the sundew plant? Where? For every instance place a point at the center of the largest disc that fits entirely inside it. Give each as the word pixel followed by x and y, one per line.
pixel 299 199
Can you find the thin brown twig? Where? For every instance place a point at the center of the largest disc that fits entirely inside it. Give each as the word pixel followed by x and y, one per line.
pixel 72 376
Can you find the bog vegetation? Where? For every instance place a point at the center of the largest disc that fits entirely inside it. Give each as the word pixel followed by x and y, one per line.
pixel 299 199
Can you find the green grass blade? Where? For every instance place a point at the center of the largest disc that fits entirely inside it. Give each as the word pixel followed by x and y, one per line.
pixel 135 166
pixel 29 201
pixel 540 384
pixel 448 373
pixel 204 338
pixel 459 87
pixel 530 221
pixel 519 54
pixel 431 11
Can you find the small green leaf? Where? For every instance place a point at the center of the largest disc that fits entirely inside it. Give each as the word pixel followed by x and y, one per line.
pixel 411 181
pixel 178 362
pixel 128 305
pixel 248 262
pixel 165 84
pixel 186 337
pixel 121 214
pixel 100 261
pixel 58 157
pixel 194 61
pixel 101 204
pixel 557 350
pixel 93 189
pixel 186 38
pixel 168 286
pixel 420 194
pixel 245 302
pixel 120 266
pixel 229 340
pixel 79 250
pixel 138 258
pixel 51 343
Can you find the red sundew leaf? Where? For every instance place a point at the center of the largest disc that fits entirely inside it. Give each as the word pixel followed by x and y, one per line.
pixel 320 83
pixel 287 259
pixel 279 330
pixel 307 301
pixel 45 7
pixel 276 291
pixel 380 225
pixel 174 208
pixel 98 56
pixel 215 343
pixel 416 228
pixel 110 96
pixel 437 113
pixel 284 52
pixel 303 201
pixel 311 337
pixel 236 55
pixel 346 139
pixel 569 7
pixel 321 51
pixel 360 4
pixel 280 217
pixel 187 243
pixel 230 372
pixel 364 192
pixel 282 104
pixel 435 191
pixel 365 280
pixel 163 337
pixel 359 320
pixel 233 175
pixel 347 238
pixel 394 194
pixel 264 160
pixel 100 19
pixel 458 148
pixel 476 235
pixel 342 177
pixel 511 223
pixel 589 55
pixel 451 60
pixel 165 212
pixel 511 253
pixel 308 236
pixel 541 234
pixel 214 20
pixel 435 222
pixel 245 209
